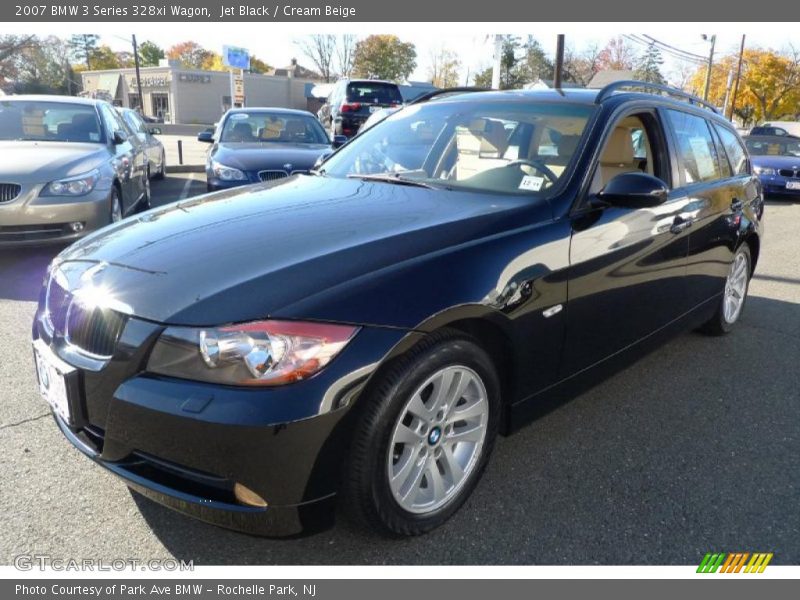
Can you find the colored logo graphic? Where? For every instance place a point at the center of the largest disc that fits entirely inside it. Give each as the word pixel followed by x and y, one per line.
pixel 735 562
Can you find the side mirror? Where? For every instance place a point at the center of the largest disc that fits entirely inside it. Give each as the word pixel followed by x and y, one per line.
pixel 119 137
pixel 339 141
pixel 206 136
pixel 155 131
pixel 634 190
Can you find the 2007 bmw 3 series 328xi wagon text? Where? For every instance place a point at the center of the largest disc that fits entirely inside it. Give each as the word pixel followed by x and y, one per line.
pixel 359 336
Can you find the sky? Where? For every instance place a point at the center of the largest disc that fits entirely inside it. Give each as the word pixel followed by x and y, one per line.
pixel 473 45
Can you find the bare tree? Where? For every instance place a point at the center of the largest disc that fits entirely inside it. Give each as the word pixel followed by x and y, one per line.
pixel 345 53
pixel 443 67
pixel 580 67
pixel 10 47
pixel 320 48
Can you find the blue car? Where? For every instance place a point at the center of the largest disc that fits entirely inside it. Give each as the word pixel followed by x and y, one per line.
pixel 776 160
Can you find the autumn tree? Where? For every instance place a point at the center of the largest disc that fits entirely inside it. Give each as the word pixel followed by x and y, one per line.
pixel 384 56
pixel 150 54
pixel 43 68
pixel 443 68
pixel 259 66
pixel 581 67
pixel 190 54
pixel 617 55
pixel 82 46
pixel 320 49
pixel 102 58
pixel 648 67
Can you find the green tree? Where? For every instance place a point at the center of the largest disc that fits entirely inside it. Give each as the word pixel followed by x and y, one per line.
pixel 259 66
pixel 534 63
pixel 509 70
pixel 102 58
pixel 10 47
pixel 42 68
pixel 648 67
pixel 384 57
pixel 150 54
pixel 82 46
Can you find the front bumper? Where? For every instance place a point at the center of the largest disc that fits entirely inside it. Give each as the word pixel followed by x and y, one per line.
pixel 185 444
pixel 775 185
pixel 31 219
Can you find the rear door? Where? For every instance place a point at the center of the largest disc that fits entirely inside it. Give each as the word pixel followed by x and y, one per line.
pixel 716 196
pixel 627 265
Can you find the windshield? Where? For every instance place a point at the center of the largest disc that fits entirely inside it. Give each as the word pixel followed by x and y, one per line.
pixel 773 147
pixel 522 147
pixel 373 92
pixel 272 127
pixel 49 121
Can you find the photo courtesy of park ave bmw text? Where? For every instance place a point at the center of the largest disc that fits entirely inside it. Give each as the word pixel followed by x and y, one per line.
pixel 345 300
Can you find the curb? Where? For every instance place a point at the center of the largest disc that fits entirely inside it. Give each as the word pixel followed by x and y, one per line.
pixel 185 169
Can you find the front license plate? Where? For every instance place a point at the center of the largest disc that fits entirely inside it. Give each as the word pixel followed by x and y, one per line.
pixel 52 373
pixel 793 185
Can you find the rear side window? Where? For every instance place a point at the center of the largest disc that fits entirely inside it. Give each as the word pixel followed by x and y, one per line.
pixel 374 93
pixel 735 151
pixel 697 154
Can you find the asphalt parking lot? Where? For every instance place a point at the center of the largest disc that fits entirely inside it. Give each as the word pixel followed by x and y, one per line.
pixel 696 448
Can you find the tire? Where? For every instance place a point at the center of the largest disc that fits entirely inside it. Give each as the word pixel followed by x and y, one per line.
pixel 736 287
pixel 115 206
pixel 386 417
pixel 162 169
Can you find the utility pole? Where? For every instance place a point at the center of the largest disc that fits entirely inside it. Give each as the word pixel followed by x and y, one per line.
pixel 498 61
pixel 559 66
pixel 713 40
pixel 138 76
pixel 727 92
pixel 738 77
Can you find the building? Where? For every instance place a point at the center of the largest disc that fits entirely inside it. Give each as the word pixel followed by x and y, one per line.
pixel 603 78
pixel 175 94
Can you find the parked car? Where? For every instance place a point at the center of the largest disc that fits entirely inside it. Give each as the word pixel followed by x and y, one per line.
pixel 263 144
pixel 352 101
pixel 776 160
pixel 365 332
pixel 69 167
pixel 790 128
pixel 146 134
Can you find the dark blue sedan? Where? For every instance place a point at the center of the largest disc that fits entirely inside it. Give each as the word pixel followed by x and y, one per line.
pixel 776 160
pixel 262 144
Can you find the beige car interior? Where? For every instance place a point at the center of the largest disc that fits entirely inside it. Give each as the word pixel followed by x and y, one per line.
pixel 618 156
pixel 480 146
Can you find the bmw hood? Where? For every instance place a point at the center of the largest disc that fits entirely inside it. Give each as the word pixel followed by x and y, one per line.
pixel 245 254
pixel 42 162
pixel 267 155
pixel 777 162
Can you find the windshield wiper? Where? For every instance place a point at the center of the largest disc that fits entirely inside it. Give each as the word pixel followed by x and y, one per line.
pixel 393 178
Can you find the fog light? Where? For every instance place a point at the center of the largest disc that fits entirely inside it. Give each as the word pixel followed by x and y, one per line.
pixel 76 226
pixel 247 496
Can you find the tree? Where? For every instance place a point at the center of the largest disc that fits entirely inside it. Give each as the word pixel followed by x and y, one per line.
pixel 534 64
pixel 10 47
pixel 42 68
pixel 150 54
pixel 103 58
pixel 649 66
pixel 190 54
pixel 212 61
pixel 443 69
pixel 82 46
pixel 345 50
pixel 509 73
pixel 259 66
pixel 384 56
pixel 581 67
pixel 320 49
pixel 770 82
pixel 617 55
pixel 125 59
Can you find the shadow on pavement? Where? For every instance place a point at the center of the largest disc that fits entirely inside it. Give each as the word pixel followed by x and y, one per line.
pixel 694 448
pixel 22 271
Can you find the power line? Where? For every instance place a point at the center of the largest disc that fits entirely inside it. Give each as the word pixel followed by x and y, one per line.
pixel 674 49
pixel 688 57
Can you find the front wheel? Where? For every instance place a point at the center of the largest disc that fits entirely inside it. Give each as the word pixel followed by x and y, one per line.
pixel 162 167
pixel 424 437
pixel 733 298
pixel 116 206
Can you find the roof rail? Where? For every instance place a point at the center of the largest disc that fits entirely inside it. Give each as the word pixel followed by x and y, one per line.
pixel 442 92
pixel 652 88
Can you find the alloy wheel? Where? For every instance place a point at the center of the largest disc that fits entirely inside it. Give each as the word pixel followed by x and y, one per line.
pixel 735 288
pixel 438 439
pixel 116 208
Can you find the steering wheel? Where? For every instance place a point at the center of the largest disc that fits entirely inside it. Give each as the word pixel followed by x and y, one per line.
pixel 536 164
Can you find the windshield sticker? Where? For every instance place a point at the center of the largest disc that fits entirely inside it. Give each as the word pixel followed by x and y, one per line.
pixel 239 116
pixel 94 137
pixel 529 182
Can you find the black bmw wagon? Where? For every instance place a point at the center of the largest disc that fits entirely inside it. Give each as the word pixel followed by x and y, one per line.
pixel 360 335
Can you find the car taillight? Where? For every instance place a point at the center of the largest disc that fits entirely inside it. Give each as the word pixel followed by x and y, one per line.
pixel 351 106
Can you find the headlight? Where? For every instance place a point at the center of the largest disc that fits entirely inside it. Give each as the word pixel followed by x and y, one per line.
pixel 73 186
pixel 226 173
pixel 258 353
pixel 764 171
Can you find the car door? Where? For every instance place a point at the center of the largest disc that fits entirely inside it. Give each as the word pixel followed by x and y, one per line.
pixel 627 265
pixel 128 157
pixel 716 198
pixel 142 133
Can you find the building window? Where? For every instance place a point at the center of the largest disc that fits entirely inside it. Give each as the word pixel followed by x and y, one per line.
pixel 160 101
pixel 133 101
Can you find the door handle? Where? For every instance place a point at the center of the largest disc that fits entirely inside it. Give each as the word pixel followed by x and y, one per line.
pixel 737 205
pixel 680 224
